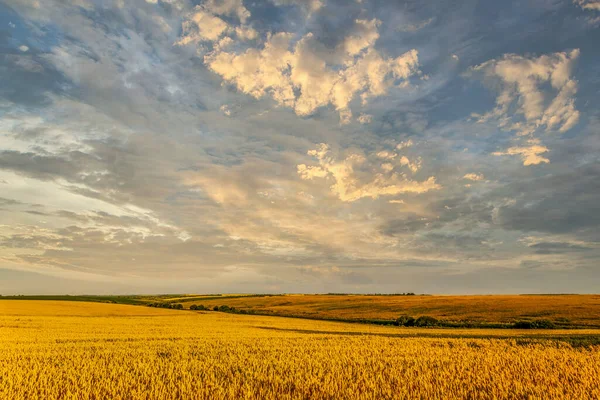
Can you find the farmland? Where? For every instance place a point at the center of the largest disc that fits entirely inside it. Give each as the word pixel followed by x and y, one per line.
pixel 567 311
pixel 61 350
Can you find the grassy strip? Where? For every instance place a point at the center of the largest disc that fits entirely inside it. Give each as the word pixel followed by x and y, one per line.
pixel 438 324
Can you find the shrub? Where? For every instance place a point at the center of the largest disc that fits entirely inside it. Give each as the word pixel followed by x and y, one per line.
pixel 193 307
pixel 543 324
pixel 216 308
pixel 536 324
pixel 405 320
pixel 426 320
pixel 224 308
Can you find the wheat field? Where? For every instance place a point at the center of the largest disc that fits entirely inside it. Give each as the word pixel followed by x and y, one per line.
pixel 63 350
pixel 581 310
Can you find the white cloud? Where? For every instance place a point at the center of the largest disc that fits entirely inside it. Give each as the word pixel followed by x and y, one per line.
pixel 588 4
pixel 541 89
pixel 534 94
pixel 202 26
pixel 530 153
pixel 372 181
pixel 365 118
pixel 226 110
pixel 386 155
pixel 414 166
pixel 306 75
pixel 474 177
pixel 405 144
pixel 23 48
pixel 229 8
pixel 365 35
pixel 246 33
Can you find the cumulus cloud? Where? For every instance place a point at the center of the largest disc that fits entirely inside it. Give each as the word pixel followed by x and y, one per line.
pixel 414 166
pixel 387 155
pixel 474 177
pixel 405 144
pixel 228 7
pixel 593 7
pixel 541 89
pixel 303 74
pixel 535 94
pixel 365 118
pixel 202 26
pixel 588 4
pixel 355 178
pixel 530 153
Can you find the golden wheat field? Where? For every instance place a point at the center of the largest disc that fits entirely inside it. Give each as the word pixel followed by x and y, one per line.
pixel 66 350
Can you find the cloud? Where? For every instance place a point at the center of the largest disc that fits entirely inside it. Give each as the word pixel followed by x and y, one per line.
pixel 202 26
pixel 405 144
pixel 529 153
pixel 387 155
pixel 558 247
pixel 474 177
pixel 132 159
pixel 565 202
pixel 309 5
pixel 522 85
pixel 535 94
pixel 588 4
pixel 228 8
pixel 416 27
pixel 365 118
pixel 306 75
pixel 348 184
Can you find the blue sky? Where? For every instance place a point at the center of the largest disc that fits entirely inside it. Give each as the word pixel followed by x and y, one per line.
pixel 299 146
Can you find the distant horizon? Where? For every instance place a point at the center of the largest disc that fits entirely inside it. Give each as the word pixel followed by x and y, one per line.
pixel 224 294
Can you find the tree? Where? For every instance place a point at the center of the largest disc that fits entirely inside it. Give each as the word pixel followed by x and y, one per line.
pixel 405 320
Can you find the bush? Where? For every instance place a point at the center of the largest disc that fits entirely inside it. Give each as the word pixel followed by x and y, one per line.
pixel 543 324
pixel 216 308
pixel 193 307
pixel 178 306
pixel 405 320
pixel 426 321
pixel 224 308
pixel 536 324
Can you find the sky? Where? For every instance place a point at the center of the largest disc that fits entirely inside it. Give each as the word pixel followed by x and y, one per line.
pixel 178 146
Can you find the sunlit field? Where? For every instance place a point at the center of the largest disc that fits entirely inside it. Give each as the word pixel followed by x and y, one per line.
pixel 67 350
pixel 562 310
